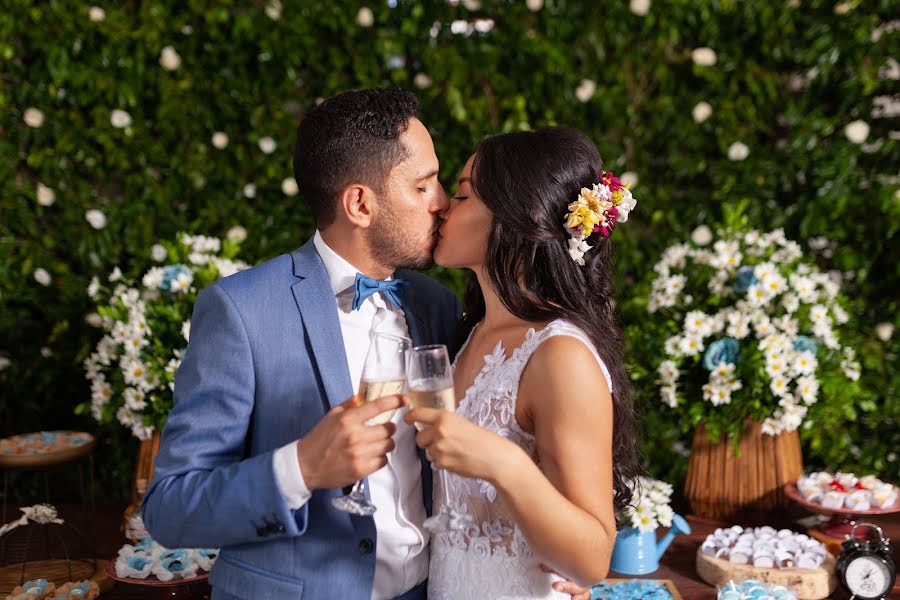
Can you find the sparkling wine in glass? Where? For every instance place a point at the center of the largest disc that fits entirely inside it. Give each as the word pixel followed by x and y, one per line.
pixel 430 385
pixel 384 374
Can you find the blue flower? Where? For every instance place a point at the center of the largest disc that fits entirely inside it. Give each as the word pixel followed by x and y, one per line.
pixel 720 351
pixel 745 278
pixel 805 344
pixel 137 562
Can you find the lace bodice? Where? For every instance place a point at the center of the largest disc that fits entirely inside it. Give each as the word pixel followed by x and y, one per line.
pixel 492 558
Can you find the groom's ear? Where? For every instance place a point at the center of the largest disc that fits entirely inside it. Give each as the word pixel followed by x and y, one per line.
pixel 357 203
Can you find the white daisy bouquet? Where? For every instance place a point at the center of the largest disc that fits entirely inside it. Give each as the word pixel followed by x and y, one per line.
pixel 147 325
pixel 748 330
pixel 649 507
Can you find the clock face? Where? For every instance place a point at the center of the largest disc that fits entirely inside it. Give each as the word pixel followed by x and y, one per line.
pixel 868 577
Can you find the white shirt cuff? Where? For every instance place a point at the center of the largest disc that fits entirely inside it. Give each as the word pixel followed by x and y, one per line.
pixel 286 463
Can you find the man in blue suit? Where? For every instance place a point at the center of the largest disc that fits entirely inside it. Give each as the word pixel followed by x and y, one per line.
pixel 264 432
pixel 262 435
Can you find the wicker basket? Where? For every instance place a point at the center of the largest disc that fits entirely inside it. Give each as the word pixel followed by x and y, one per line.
pixel 745 487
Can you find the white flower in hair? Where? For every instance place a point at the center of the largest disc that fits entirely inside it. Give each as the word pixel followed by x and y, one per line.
pixel 577 248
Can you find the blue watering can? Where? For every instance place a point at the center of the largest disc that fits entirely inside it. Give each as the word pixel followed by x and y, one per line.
pixel 638 553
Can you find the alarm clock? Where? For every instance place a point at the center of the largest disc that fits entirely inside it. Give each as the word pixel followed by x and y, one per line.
pixel 866 567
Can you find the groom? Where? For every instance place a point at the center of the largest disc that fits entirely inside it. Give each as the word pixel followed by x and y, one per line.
pixel 262 436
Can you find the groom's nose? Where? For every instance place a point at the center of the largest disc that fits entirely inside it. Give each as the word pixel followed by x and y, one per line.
pixel 441 201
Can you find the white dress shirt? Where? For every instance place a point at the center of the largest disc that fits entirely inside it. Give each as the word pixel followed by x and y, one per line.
pixel 401 551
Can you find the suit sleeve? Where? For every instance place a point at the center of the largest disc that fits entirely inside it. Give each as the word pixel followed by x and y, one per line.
pixel 204 492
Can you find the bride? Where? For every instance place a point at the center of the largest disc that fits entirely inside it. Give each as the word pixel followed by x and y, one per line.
pixel 543 440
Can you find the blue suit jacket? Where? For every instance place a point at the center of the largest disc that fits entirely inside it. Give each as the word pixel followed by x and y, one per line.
pixel 265 362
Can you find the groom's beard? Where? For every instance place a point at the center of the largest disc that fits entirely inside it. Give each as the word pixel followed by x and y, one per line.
pixel 397 247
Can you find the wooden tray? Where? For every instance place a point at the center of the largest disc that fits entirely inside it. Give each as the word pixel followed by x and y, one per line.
pixel 670 585
pixel 809 584
pixel 56 571
pixel 56 456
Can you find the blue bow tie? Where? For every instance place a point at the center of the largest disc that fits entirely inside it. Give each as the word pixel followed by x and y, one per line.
pixel 365 286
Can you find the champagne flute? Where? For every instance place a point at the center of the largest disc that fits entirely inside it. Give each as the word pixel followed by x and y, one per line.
pixel 430 385
pixel 384 374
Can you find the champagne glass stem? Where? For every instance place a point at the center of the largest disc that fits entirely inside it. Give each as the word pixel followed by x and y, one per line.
pixel 446 488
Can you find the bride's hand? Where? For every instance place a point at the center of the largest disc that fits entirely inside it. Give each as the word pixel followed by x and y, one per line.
pixel 458 445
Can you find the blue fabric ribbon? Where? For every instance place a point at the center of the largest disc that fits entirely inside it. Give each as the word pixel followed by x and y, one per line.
pixel 365 286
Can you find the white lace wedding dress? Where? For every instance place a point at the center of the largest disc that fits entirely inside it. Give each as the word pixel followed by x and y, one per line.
pixel 492 560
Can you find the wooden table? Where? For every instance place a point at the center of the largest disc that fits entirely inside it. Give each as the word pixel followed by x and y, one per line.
pixel 677 563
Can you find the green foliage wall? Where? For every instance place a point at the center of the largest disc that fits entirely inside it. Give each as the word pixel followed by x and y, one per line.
pixel 783 81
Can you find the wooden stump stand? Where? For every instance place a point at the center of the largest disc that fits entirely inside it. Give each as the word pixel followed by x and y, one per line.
pixel 742 488
pixel 143 473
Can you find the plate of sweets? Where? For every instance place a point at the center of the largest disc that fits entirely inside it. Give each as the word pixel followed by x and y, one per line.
pixel 843 496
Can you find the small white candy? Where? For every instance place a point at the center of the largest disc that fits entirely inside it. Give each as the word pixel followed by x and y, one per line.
pixel 783 533
pixel 869 482
pixel 738 558
pixel 808 561
pixel 801 537
pixel 722 553
pixel 763 562
pixel 765 531
pixel 736 529
pixel 833 499
pixel 708 548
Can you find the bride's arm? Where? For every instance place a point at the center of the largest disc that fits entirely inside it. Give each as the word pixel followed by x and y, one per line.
pixel 565 507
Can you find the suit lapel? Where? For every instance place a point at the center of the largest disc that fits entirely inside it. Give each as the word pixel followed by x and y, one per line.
pixel 318 309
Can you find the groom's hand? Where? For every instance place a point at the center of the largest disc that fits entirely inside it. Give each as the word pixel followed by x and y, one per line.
pixel 342 449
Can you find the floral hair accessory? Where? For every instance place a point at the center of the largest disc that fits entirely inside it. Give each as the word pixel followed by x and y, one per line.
pixel 597 210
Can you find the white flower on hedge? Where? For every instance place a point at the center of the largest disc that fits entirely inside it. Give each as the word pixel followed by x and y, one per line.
pixel 134 399
pixel 186 330
pixel 45 195
pixel 42 276
pixel 779 385
pixel 126 416
pixel 120 119
pixel 101 392
pixel 585 90
pixel 133 345
pixel 220 140
pixel 770 427
pixel 33 117
pixel 673 346
pixel 842 8
pixel 93 319
pixel 96 218
pixel 629 178
pixel 884 331
pixel 701 112
pixel 93 288
pixel 96 14
pixel 267 145
pixel 534 5
pixel 273 9
pixel 738 151
pixel 289 186
pixel 702 235
pixel 169 58
pixel 422 81
pixel 158 252
pixel 236 234
pixel 805 363
pixel 640 7
pixel 857 131
pixel 365 17
pixel 705 57
pixel 249 190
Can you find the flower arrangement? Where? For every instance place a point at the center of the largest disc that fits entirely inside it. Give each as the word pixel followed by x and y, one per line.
pixel 649 507
pixel 147 327
pixel 597 210
pixel 748 330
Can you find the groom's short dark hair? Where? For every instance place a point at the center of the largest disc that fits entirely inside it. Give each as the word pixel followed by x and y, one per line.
pixel 351 137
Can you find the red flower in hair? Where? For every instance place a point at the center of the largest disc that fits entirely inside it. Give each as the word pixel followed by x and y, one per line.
pixel 610 180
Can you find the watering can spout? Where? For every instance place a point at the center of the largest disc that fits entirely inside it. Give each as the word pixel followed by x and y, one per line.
pixel 679 525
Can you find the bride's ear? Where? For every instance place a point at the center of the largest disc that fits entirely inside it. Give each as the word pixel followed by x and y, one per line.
pixel 358 204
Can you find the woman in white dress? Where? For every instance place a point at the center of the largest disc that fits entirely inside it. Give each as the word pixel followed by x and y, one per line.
pixel 543 440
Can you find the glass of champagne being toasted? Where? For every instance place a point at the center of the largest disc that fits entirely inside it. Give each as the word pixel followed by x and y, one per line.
pixel 430 385
pixel 384 374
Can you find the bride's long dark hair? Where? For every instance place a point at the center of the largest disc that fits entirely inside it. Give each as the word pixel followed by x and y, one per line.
pixel 527 180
